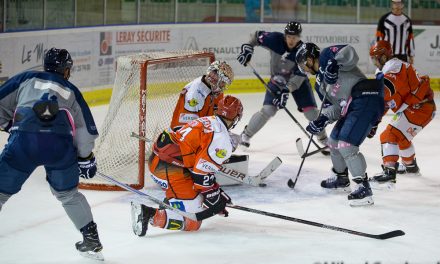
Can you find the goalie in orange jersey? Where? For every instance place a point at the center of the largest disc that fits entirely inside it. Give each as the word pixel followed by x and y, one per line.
pixel 201 96
pixel 409 96
pixel 183 164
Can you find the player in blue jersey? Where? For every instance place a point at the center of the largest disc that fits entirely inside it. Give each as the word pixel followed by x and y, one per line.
pixel 356 104
pixel 286 78
pixel 50 125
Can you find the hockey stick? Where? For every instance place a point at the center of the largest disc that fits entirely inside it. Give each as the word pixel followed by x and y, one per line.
pixel 324 152
pixel 290 182
pixel 192 216
pixel 236 175
pixel 256 180
pixel 140 137
pixel 383 236
pixel 300 149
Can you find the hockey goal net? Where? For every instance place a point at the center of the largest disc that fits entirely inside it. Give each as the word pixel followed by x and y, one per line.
pixel 145 92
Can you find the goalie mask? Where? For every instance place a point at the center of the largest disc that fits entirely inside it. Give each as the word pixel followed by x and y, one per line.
pixel 219 75
pixel 231 109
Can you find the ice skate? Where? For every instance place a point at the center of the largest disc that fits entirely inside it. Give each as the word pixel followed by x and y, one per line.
pixel 140 217
pixel 386 178
pixel 337 181
pixel 91 246
pixel 362 194
pixel 412 168
pixel 245 140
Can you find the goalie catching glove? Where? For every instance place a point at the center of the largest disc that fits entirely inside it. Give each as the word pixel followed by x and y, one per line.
pixel 216 200
pixel 87 166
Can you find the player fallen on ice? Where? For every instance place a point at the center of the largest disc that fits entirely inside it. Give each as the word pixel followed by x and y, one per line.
pixel 411 98
pixel 356 106
pixel 183 164
pixel 285 79
pixel 50 125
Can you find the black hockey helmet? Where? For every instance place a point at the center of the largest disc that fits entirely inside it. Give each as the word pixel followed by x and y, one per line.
pixel 293 28
pixel 57 60
pixel 307 50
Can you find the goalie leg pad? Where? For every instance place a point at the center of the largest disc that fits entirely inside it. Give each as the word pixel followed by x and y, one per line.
pixel 236 167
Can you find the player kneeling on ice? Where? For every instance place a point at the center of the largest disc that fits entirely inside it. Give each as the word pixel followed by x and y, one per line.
pixel 356 105
pixel 51 126
pixel 409 96
pixel 183 163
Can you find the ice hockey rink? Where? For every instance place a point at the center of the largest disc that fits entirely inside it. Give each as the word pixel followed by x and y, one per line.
pixel 35 229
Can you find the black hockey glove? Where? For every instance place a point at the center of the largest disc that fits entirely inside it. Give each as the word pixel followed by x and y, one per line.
pixel 216 200
pixel 279 84
pixel 331 72
pixel 280 100
pixel 317 125
pixel 373 130
pixel 246 54
pixel 87 166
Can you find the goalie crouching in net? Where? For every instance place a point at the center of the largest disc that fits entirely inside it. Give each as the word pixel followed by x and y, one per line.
pixel 183 164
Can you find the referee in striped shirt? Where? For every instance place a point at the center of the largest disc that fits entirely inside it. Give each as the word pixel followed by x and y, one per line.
pixel 396 28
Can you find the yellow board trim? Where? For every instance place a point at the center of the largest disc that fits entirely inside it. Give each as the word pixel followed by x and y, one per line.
pixel 102 96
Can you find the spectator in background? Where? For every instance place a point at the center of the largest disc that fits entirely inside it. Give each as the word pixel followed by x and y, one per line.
pixel 252 9
pixel 396 28
pixel 284 10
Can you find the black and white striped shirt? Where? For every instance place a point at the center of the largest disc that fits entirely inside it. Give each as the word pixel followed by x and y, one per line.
pixel 398 31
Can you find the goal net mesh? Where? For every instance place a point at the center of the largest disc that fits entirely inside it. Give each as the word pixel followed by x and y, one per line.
pixel 145 92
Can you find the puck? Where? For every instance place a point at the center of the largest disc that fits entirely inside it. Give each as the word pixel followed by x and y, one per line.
pixel 262 185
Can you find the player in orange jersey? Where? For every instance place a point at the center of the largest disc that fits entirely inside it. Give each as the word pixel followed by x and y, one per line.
pixel 409 96
pixel 201 96
pixel 183 164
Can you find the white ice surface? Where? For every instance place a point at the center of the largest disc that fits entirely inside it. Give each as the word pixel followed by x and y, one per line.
pixel 35 229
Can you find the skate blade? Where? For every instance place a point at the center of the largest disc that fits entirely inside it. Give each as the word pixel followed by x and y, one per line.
pixel 93 255
pixel 362 202
pixel 375 185
pixel 338 190
pixel 136 210
pixel 411 174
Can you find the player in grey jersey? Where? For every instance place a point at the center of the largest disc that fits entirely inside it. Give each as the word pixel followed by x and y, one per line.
pixel 356 105
pixel 50 125
pixel 286 78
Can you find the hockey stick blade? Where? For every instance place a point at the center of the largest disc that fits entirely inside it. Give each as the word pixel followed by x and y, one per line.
pixel 391 234
pixel 300 147
pixel 388 235
pixel 271 167
pixel 301 152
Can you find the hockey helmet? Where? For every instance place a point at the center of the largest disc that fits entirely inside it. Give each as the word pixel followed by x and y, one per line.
pixel 380 48
pixel 57 60
pixel 307 50
pixel 230 108
pixel 293 28
pixel 219 75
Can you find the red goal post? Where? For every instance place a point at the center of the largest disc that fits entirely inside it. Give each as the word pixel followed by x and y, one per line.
pixel 145 92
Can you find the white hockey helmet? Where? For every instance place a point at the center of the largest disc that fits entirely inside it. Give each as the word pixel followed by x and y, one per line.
pixel 219 75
